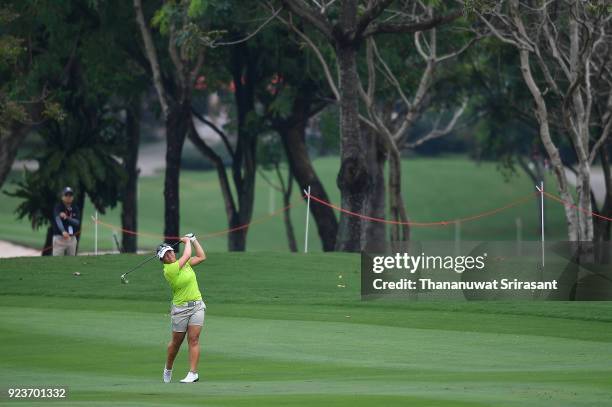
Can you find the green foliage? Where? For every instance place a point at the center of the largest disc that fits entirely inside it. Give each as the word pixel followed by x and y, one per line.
pixel 89 169
pixel 270 152
pixel 36 198
pixel 281 105
pixel 472 7
pixel 599 7
pixel 192 38
pixel 11 111
pixel 197 8
pixel 11 48
pixel 73 154
pixel 53 110
pixel 330 130
pixel 163 17
pixel 434 3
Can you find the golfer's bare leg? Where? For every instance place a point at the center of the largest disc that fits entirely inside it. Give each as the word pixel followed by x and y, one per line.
pixel 173 347
pixel 193 339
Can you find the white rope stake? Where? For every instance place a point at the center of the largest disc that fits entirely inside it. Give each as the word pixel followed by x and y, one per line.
pixel 541 190
pixel 96 234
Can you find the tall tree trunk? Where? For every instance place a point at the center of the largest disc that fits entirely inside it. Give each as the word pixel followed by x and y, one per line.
pixel 174 92
pixel 287 214
pixel 353 179
pixel 375 232
pixel 226 191
pixel 48 247
pixel 246 197
pixel 9 143
pixel 129 207
pixel 399 233
pixel 14 134
pixel 244 74
pixel 541 113
pixel 583 188
pixel 236 240
pixel 80 203
pixel 602 226
pixel 294 143
pixel 179 118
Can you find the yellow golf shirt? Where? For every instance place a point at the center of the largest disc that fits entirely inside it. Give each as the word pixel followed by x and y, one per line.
pixel 183 282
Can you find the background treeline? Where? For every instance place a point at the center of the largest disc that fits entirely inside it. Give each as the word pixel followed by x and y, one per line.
pixel 266 86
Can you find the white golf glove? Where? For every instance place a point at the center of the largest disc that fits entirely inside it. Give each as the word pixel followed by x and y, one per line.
pixel 191 237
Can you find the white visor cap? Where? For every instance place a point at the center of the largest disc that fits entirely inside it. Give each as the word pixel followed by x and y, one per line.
pixel 163 250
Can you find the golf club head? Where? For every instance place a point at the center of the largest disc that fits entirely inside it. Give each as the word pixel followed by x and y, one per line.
pixel 124 280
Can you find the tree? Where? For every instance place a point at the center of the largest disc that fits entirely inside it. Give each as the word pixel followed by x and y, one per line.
pixel 247 74
pixel 560 47
pixel 173 82
pixel 96 82
pixel 78 151
pixel 129 198
pixel 271 158
pixel 300 93
pixel 345 26
pixel 121 73
pixel 506 130
pixel 393 124
pixel 25 99
pixel 382 125
pixel 268 93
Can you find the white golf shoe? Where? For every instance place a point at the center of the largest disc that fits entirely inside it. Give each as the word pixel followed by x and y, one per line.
pixel 167 375
pixel 191 378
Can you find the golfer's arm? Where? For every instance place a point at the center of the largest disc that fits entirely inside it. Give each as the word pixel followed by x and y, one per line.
pixel 200 255
pixel 186 254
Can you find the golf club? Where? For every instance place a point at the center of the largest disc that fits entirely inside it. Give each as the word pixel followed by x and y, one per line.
pixel 124 280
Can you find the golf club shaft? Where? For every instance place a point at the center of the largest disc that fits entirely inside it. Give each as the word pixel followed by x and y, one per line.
pixel 142 263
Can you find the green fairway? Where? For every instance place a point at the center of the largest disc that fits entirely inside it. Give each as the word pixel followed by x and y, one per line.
pixel 290 330
pixel 435 189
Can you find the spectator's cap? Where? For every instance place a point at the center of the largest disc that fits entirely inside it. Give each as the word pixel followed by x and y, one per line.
pixel 67 191
pixel 162 249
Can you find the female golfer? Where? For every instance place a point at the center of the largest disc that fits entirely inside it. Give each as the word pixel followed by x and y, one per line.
pixel 188 309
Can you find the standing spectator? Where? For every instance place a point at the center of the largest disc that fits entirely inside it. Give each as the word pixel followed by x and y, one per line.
pixel 65 225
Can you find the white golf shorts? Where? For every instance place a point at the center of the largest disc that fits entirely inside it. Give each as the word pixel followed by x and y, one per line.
pixel 184 315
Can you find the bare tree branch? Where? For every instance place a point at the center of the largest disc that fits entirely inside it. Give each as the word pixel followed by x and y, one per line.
pixel 216 129
pixel 410 26
pixel 151 56
pixel 436 132
pixel 319 21
pixel 194 137
pixel 175 57
pixel 249 36
pixel 370 14
pixel 319 55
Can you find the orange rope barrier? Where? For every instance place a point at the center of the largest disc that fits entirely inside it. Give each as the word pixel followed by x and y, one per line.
pixel 44 249
pixel 209 235
pixel 571 205
pixel 365 217
pixel 437 223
